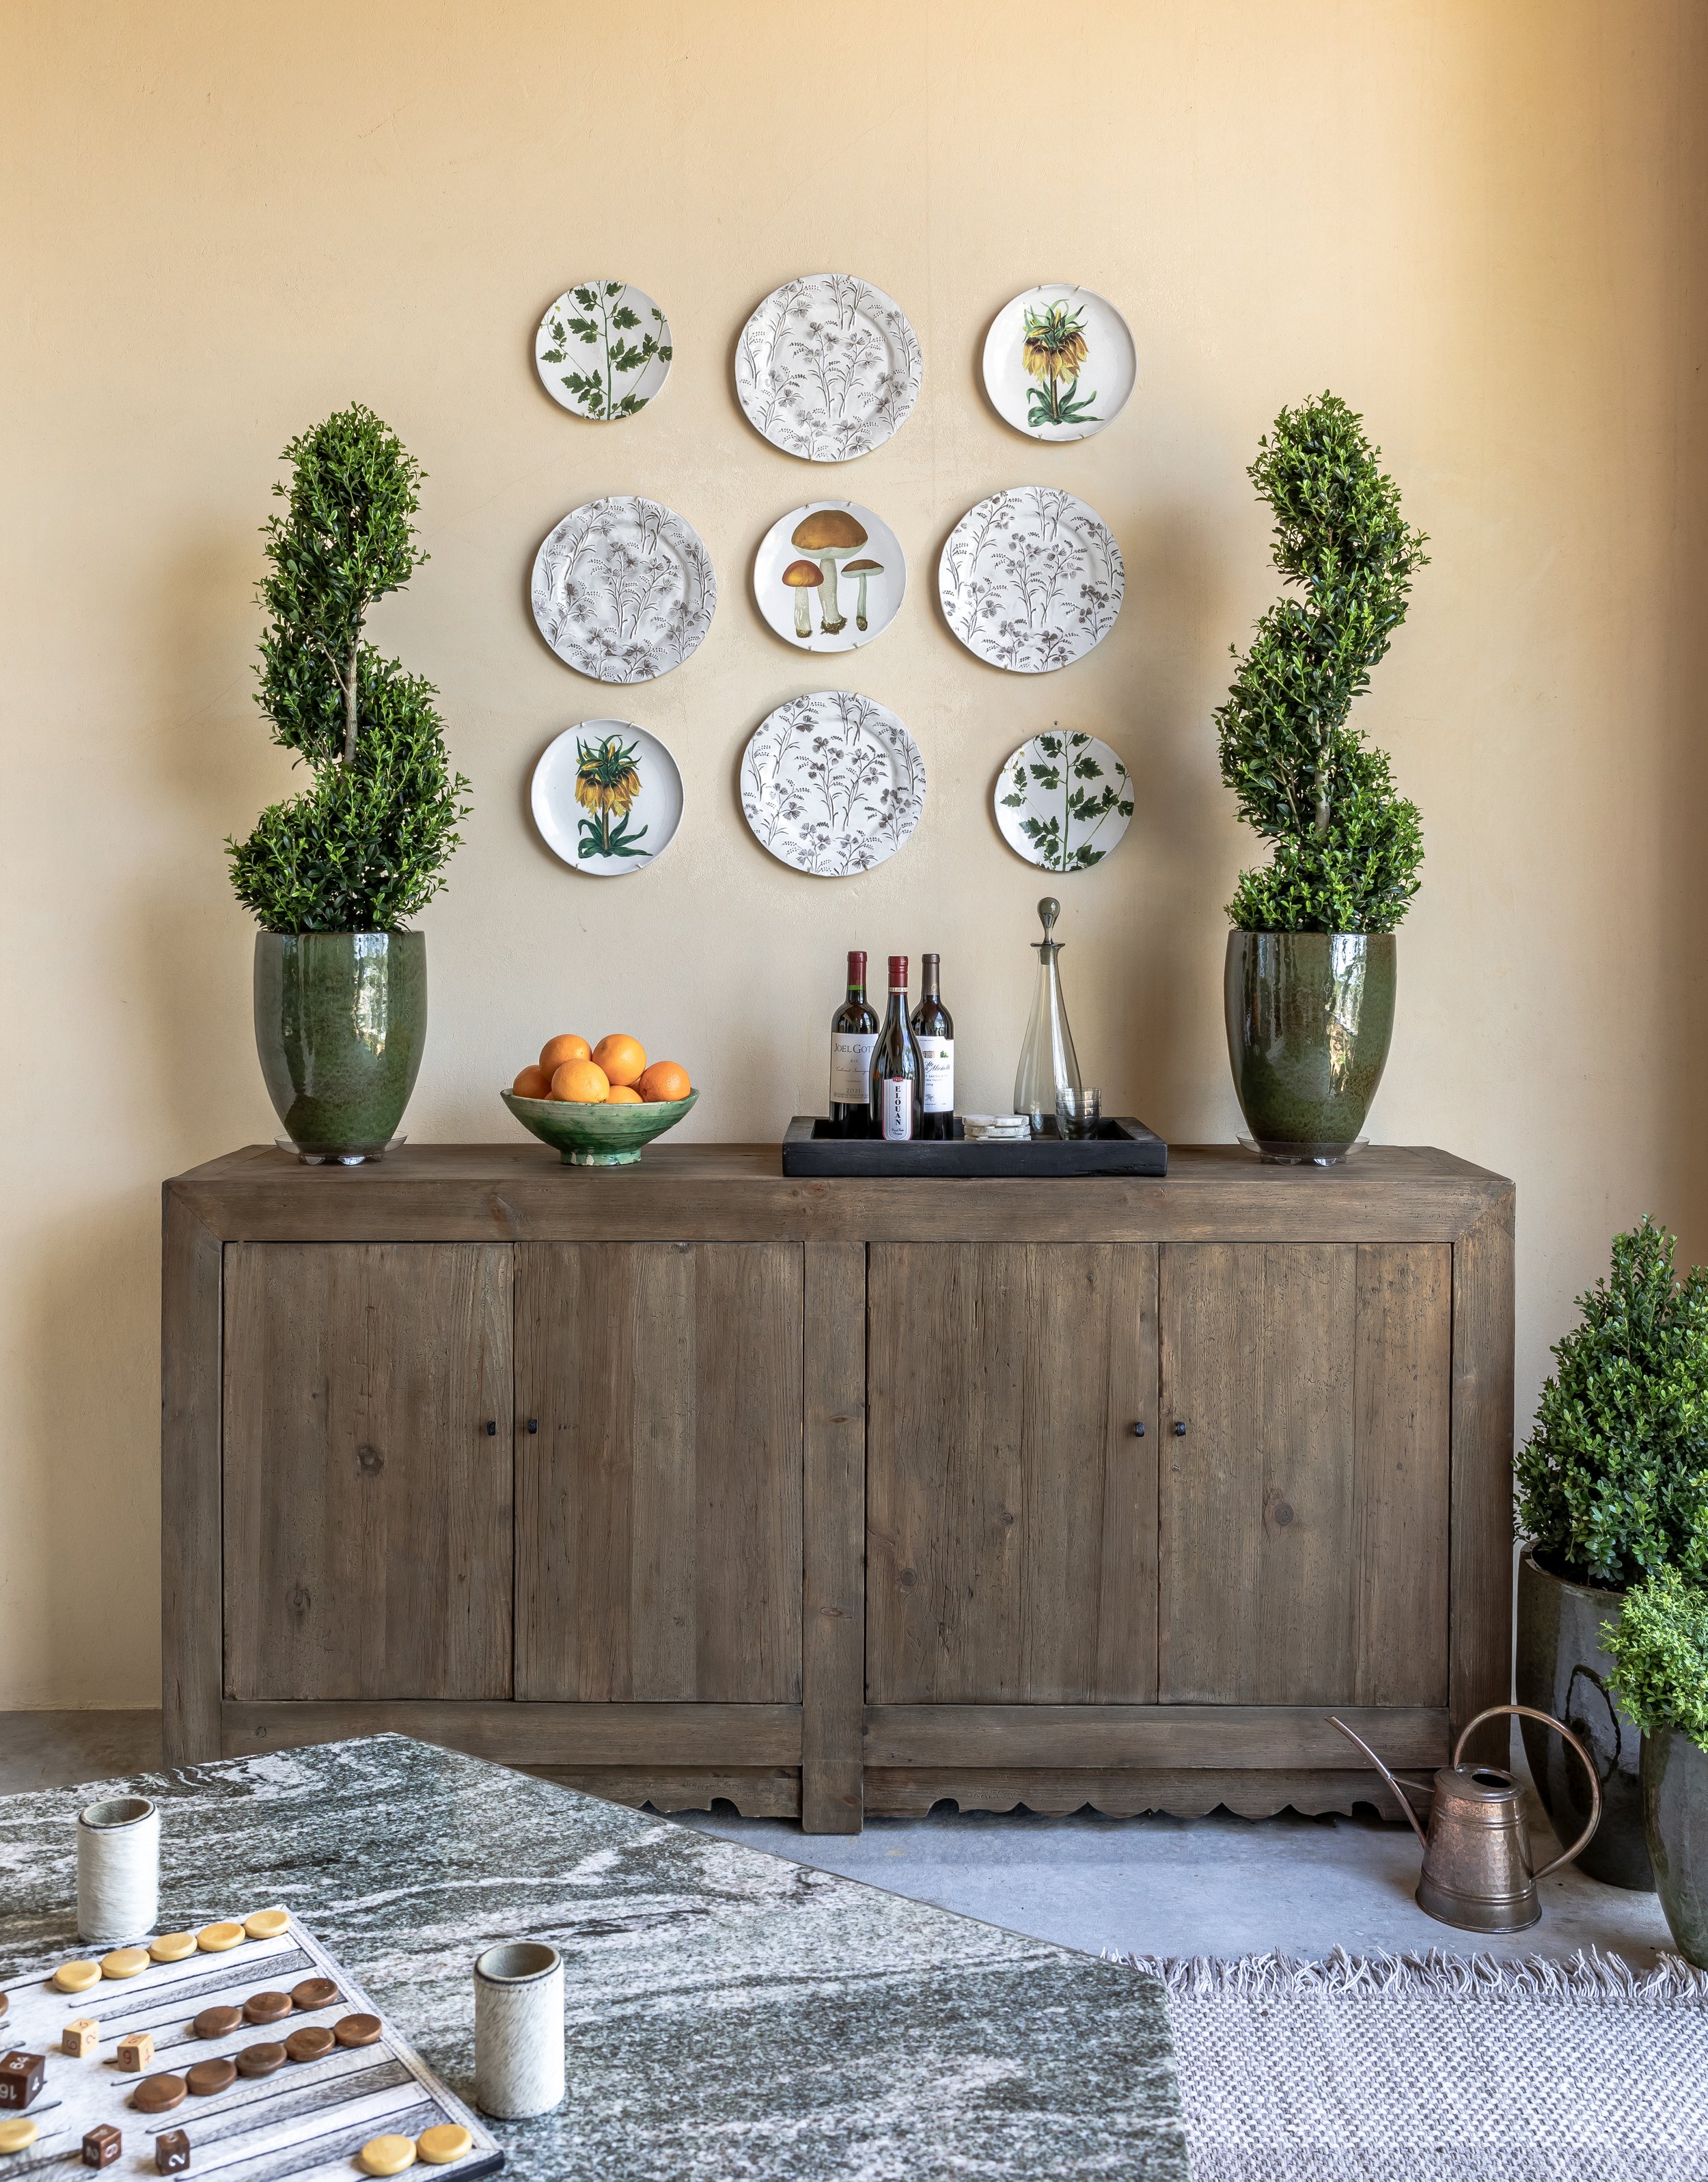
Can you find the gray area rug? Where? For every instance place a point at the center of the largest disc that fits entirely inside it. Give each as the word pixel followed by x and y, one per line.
pixel 1439 2067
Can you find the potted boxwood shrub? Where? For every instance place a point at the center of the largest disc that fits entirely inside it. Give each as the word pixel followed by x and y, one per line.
pixel 1661 1653
pixel 334 876
pixel 1612 1487
pixel 1309 982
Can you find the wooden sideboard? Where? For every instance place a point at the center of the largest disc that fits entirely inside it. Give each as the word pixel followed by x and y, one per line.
pixel 686 1480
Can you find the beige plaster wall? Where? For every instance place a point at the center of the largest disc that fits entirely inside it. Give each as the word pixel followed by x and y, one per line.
pixel 1482 223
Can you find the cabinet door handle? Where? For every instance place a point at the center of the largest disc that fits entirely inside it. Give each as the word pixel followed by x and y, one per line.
pixel 1139 1429
pixel 534 1423
pixel 1180 1428
pixel 491 1429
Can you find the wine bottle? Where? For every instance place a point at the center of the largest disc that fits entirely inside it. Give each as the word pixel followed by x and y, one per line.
pixel 898 1073
pixel 934 1030
pixel 854 1031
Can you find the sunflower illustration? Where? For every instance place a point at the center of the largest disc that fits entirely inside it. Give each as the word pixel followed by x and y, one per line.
pixel 607 781
pixel 1053 349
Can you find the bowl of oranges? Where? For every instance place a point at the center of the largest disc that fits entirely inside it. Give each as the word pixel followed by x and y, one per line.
pixel 599 1105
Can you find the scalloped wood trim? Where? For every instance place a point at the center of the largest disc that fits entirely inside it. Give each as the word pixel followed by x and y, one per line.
pixel 757 1792
pixel 1184 1793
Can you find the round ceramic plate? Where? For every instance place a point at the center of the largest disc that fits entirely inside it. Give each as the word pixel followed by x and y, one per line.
pixel 1063 800
pixel 623 590
pixel 828 368
pixel 607 798
pixel 1030 579
pixel 830 576
pixel 1059 363
pixel 832 784
pixel 603 350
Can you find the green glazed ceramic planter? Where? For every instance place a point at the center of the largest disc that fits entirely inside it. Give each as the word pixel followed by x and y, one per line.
pixel 341 1020
pixel 1309 1017
pixel 597 1136
pixel 1675 1799
pixel 1563 1668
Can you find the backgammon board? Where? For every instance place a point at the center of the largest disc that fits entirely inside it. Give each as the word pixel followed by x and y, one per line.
pixel 305 2118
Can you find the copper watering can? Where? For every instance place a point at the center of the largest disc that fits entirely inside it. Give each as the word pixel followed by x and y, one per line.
pixel 1477 1871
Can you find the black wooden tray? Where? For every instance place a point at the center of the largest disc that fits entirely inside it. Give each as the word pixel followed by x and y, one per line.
pixel 1121 1146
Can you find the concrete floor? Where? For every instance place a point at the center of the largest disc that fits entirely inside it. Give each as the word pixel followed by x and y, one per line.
pixel 1218 1886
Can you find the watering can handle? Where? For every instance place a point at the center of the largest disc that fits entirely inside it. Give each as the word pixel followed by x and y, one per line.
pixel 1559 1726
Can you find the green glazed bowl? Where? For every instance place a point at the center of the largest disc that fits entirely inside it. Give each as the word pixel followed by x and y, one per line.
pixel 597 1136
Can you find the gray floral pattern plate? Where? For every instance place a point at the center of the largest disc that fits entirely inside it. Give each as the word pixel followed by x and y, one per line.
pixel 828 368
pixel 623 590
pixel 1030 579
pixel 832 784
pixel 603 350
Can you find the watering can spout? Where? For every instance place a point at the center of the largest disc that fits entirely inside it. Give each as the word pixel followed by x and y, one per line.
pixel 1405 1801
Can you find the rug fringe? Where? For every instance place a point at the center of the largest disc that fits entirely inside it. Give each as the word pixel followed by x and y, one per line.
pixel 1437 1974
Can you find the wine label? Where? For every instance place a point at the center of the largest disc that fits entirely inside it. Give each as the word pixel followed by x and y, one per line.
pixel 898 1110
pixel 851 1066
pixel 938 1054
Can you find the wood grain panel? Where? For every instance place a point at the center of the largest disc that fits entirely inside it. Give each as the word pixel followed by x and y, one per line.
pixel 1284 1736
pixel 368 1522
pixel 1010 1506
pixel 1400 1532
pixel 834 1584
pixel 1480 1577
pixel 190 1544
pixel 658 1500
pixel 666 1736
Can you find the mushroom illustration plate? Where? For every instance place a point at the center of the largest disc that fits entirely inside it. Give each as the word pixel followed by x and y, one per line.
pixel 832 784
pixel 623 590
pixel 1063 800
pixel 828 368
pixel 607 798
pixel 1030 579
pixel 830 576
pixel 1059 363
pixel 603 350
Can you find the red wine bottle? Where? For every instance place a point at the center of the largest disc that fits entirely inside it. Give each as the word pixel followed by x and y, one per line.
pixel 934 1029
pixel 897 1073
pixel 854 1031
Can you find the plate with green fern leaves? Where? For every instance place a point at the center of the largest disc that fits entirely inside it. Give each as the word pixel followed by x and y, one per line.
pixel 1063 800
pixel 607 798
pixel 1059 363
pixel 603 350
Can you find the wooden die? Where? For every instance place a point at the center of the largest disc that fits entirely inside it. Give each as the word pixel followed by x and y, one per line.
pixel 171 2153
pixel 21 2079
pixel 134 2051
pixel 101 2146
pixel 80 2037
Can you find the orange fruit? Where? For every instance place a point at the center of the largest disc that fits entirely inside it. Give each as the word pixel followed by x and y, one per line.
pixel 620 1095
pixel 566 1046
pixel 622 1059
pixel 664 1080
pixel 581 1083
pixel 533 1083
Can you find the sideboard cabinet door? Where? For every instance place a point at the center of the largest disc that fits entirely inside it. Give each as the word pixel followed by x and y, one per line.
pixel 1304 1487
pixel 368 1470
pixel 658 1452
pixel 1011 1504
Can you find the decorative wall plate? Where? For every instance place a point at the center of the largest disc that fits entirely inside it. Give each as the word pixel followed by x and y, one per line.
pixel 828 368
pixel 830 576
pixel 832 784
pixel 1030 579
pixel 607 798
pixel 1059 363
pixel 603 350
pixel 1063 800
pixel 623 590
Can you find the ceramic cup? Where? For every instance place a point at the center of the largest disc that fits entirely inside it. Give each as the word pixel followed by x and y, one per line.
pixel 518 2030
pixel 118 1869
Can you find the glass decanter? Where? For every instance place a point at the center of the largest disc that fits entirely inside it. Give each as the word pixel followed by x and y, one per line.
pixel 1047 1061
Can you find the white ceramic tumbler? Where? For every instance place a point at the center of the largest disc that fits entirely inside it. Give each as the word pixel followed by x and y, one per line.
pixel 118 1869
pixel 518 2030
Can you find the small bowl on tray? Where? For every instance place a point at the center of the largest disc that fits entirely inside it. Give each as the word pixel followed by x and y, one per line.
pixel 597 1135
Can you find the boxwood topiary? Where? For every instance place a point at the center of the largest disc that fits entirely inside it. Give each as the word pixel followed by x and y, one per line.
pixel 1613 1485
pixel 1660 1648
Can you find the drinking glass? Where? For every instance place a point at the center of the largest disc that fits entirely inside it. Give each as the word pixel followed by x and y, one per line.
pixel 1079 1112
